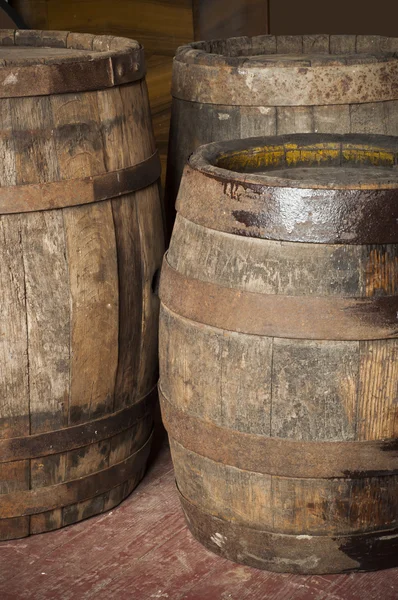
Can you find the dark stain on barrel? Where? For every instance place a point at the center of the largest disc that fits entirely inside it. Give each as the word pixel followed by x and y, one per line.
pixel 250 219
pixel 372 552
pixel 389 446
pixel 76 135
pixel 380 311
pixel 354 475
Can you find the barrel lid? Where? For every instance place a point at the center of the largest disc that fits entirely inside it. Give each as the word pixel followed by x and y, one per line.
pixel 288 70
pixel 316 188
pixel 36 63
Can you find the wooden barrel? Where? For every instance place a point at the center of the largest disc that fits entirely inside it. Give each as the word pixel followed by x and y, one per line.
pixel 272 85
pixel 81 239
pixel 279 351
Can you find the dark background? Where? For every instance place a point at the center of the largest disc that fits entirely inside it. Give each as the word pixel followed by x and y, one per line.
pixel 333 16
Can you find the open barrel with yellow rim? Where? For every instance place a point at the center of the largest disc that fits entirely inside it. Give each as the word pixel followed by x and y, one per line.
pixel 278 351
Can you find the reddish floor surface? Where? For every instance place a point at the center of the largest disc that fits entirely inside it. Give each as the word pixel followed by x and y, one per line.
pixel 142 550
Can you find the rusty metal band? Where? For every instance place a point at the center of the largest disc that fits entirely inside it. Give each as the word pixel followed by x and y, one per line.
pixel 70 438
pixel 278 456
pixel 254 84
pixel 292 553
pixel 75 192
pixel 242 204
pixel 72 76
pixel 293 317
pixel 43 499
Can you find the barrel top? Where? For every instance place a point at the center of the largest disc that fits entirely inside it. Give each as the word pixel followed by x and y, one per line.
pixel 316 188
pixel 35 63
pixel 290 50
pixel 315 161
pixel 288 70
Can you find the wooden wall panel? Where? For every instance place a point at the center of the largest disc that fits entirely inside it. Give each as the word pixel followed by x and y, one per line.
pixel 225 18
pixel 356 16
pixel 33 12
pixel 160 25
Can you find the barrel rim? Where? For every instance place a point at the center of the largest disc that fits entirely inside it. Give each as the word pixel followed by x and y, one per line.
pixel 363 70
pixel 102 62
pixel 206 157
pixel 376 48
pixel 35 38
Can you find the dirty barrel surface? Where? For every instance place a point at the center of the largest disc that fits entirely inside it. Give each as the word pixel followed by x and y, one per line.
pixel 81 239
pixel 271 85
pixel 278 351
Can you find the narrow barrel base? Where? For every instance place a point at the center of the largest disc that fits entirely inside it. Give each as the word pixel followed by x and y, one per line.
pixel 49 508
pixel 301 554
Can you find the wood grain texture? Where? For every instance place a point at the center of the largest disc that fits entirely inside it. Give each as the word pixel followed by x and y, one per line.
pixel 369 118
pixel 294 120
pixel 48 319
pixel 126 141
pixel 286 388
pixel 377 409
pixel 91 251
pixel 14 386
pixel 216 393
pixel 202 123
pixel 130 311
pixel 90 244
pixel 159 25
pixel 314 389
pixel 14 407
pixel 281 268
pixel 76 282
pixel 332 119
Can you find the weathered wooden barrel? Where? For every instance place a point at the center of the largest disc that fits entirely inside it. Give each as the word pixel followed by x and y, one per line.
pixel 279 351
pixel 81 239
pixel 272 85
